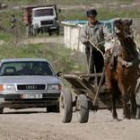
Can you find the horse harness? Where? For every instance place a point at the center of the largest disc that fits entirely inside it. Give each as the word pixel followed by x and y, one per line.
pixel 114 55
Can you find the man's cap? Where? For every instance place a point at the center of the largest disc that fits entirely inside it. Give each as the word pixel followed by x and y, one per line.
pixel 91 13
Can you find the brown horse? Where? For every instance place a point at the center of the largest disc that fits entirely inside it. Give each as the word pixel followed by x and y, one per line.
pixel 122 79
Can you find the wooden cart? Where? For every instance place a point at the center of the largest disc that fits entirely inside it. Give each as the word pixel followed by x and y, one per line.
pixel 88 97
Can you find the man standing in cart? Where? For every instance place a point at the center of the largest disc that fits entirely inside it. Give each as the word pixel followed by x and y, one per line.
pixel 94 35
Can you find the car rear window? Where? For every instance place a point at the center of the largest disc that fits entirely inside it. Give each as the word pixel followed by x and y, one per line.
pixel 26 68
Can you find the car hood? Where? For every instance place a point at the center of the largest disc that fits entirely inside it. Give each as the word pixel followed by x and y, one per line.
pixel 30 79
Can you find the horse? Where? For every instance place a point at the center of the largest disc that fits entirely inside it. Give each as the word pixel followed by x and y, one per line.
pixel 122 78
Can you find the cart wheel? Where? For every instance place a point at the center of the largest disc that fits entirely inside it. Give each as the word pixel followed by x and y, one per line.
pixel 82 107
pixel 65 105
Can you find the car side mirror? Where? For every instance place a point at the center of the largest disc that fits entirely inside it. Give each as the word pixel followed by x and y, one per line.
pixel 59 74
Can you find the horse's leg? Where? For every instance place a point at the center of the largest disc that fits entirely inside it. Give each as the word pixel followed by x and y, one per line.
pixel 114 112
pixel 110 83
pixel 133 106
pixel 125 100
pixel 113 93
pixel 129 105
pixel 126 106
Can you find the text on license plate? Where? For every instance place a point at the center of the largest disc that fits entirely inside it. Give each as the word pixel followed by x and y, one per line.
pixel 32 96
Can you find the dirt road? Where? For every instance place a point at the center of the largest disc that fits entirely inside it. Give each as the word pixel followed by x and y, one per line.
pixel 35 124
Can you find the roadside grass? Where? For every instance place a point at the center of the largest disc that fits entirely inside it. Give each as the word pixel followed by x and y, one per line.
pixel 62 59
pixel 86 2
pixel 6 33
pixel 63 2
pixel 5 36
pixel 19 2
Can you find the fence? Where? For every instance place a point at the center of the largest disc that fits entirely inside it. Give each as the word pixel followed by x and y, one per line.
pixel 72 32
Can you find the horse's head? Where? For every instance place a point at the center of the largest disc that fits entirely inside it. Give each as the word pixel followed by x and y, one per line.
pixel 122 27
pixel 123 30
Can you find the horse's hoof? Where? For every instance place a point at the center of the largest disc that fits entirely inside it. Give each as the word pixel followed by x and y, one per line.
pixel 116 120
pixel 137 118
pixel 133 117
pixel 126 118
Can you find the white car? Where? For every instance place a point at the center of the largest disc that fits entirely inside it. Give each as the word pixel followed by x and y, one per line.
pixel 28 83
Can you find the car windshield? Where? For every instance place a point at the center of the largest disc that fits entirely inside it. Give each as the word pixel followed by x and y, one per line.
pixel 43 12
pixel 26 68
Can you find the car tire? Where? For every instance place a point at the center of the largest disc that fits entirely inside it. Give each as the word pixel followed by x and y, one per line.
pixel 53 109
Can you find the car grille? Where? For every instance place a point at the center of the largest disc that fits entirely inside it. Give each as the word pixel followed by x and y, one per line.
pixel 46 22
pixel 31 87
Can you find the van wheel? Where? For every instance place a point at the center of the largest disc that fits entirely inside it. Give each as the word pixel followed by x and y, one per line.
pixel 1 110
pixel 58 31
pixel 50 33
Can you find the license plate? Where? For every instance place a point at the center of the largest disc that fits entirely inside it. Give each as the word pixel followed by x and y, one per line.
pixel 32 96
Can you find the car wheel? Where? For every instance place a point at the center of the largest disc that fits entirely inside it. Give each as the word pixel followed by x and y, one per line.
pixel 1 110
pixel 53 109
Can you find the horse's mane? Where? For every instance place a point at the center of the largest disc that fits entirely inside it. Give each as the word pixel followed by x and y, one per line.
pixel 130 46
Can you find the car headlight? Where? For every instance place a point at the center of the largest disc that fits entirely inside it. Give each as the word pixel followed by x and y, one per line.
pixel 54 87
pixel 7 87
